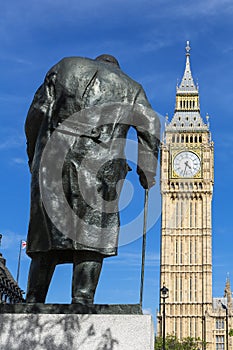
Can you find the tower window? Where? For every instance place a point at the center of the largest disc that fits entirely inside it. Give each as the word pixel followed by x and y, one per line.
pixel 190 251
pixel 195 326
pixel 195 261
pixel 190 327
pixel 177 215
pixel 181 289
pixel 181 332
pixel 220 342
pixel 181 259
pixel 195 214
pixel 190 289
pixel 191 215
pixel 219 323
pixel 195 138
pixel 176 288
pixel 175 326
pixel 176 253
pixel 200 139
pixel 181 212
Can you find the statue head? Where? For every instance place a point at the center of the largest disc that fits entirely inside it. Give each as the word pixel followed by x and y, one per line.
pixel 108 58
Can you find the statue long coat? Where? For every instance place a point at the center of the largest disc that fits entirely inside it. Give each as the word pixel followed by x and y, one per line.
pixel 76 129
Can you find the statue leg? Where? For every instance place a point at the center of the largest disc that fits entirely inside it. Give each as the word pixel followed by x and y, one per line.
pixel 86 271
pixel 40 275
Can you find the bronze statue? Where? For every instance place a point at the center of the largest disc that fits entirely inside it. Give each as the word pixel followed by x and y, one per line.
pixel 89 105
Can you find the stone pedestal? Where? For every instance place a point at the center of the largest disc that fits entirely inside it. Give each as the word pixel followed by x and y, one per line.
pixel 22 331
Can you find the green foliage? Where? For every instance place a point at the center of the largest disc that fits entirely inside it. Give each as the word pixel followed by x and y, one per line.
pixel 173 343
pixel 231 332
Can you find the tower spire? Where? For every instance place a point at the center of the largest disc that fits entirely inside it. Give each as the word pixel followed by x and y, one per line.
pixel 187 111
pixel 187 83
pixel 227 293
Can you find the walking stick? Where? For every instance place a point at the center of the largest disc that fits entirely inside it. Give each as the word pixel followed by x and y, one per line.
pixel 144 244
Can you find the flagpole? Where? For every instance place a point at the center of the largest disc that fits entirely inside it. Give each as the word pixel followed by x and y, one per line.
pixel 143 245
pixel 19 260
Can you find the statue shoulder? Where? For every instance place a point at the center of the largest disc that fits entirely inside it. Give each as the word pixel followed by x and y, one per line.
pixel 75 61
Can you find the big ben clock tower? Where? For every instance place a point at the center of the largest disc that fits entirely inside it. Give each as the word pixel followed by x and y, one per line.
pixel 186 232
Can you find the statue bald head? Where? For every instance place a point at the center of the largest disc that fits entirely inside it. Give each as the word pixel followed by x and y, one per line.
pixel 108 58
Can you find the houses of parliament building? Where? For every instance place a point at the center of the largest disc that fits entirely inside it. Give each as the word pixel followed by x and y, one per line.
pixel 187 180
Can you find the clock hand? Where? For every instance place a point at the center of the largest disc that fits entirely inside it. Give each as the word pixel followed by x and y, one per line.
pixel 187 164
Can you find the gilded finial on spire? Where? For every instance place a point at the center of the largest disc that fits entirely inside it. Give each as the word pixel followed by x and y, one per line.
pixel 187 48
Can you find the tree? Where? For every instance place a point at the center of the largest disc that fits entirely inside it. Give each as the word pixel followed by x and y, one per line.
pixel 173 343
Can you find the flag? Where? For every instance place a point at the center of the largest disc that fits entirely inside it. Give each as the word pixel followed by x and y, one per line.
pixel 23 244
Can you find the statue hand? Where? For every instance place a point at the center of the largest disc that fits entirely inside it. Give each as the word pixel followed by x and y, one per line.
pixel 146 180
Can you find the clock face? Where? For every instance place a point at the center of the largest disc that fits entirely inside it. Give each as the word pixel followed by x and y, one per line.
pixel 186 164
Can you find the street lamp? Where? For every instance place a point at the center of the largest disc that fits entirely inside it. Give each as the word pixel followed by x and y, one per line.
pixel 164 293
pixel 226 309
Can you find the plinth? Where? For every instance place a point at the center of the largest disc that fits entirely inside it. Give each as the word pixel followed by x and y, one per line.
pixel 47 327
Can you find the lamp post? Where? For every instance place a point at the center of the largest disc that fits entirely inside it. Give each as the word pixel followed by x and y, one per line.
pixel 226 309
pixel 164 293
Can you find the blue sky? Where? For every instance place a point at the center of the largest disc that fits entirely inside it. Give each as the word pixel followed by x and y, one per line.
pixel 148 38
